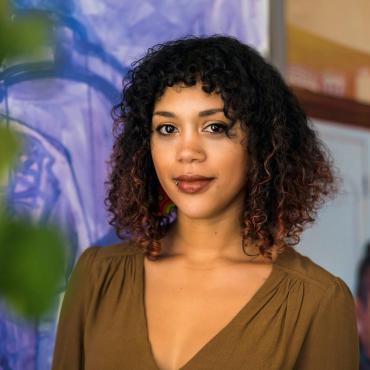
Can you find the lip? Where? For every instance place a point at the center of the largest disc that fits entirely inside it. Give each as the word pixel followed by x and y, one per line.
pixel 190 178
pixel 193 184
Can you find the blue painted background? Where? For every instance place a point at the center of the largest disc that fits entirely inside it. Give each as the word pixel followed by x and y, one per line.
pixel 60 103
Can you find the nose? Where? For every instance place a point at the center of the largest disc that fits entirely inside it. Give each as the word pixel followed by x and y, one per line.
pixel 190 148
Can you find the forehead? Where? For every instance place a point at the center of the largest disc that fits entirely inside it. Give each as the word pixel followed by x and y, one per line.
pixel 187 97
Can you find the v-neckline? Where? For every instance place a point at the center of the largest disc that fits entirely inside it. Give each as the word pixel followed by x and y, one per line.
pixel 260 292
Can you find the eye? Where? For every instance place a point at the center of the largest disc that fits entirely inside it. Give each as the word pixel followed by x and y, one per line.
pixel 166 129
pixel 217 128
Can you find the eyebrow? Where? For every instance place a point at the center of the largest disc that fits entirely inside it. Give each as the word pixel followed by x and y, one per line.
pixel 203 113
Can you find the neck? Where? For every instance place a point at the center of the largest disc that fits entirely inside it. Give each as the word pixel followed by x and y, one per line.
pixel 206 241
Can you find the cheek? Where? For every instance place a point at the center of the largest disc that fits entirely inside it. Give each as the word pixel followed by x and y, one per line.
pixel 160 158
pixel 154 154
pixel 232 162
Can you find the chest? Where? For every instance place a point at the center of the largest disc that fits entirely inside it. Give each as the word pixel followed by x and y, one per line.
pixel 186 310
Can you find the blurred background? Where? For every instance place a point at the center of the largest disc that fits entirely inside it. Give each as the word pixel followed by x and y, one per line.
pixel 59 103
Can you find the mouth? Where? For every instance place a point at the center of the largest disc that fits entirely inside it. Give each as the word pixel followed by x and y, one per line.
pixel 193 184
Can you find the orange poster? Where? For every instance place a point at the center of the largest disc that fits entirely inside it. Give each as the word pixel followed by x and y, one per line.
pixel 328 47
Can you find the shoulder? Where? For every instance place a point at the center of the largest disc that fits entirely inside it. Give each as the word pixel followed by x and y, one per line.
pixel 95 257
pixel 124 248
pixel 98 263
pixel 312 275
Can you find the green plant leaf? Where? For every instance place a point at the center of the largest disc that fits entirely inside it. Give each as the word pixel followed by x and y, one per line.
pixel 10 145
pixel 32 263
pixel 24 32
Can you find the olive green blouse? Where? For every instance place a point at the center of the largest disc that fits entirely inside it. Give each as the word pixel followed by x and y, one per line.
pixel 302 318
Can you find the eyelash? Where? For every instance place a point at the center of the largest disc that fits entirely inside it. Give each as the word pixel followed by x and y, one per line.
pixel 218 124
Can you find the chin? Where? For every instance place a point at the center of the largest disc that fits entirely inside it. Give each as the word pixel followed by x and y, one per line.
pixel 197 212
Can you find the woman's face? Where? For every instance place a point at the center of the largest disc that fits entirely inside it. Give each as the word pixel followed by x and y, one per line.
pixel 188 138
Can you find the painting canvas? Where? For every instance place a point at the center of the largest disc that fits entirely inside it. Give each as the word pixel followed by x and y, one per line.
pixel 60 104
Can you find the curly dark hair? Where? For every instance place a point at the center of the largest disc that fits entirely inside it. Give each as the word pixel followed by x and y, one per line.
pixel 290 172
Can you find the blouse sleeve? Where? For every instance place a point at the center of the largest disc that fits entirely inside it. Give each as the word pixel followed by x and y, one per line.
pixel 332 339
pixel 68 350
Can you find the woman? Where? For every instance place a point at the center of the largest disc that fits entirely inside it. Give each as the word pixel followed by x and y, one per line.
pixel 206 128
